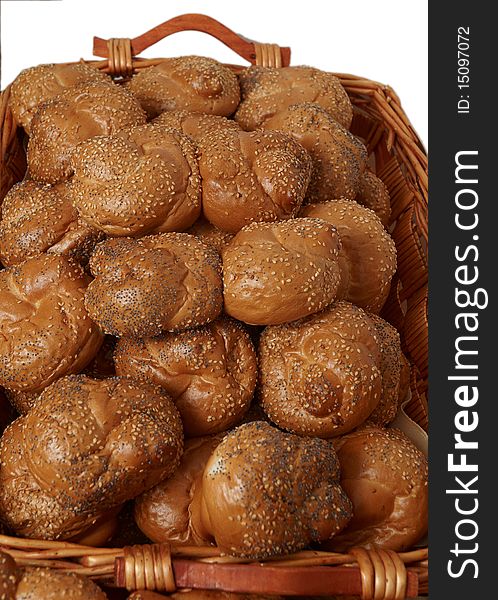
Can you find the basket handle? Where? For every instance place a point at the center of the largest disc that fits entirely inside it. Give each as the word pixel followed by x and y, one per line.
pixel 120 51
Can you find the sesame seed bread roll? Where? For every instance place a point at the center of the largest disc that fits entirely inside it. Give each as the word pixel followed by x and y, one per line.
pixel 373 194
pixel 9 576
pixel 320 376
pixel 251 177
pixel 367 257
pixel 39 218
pixel 267 90
pixel 159 283
pixel 40 583
pixel 22 401
pixel 141 180
pixel 211 235
pixel 267 493
pixel 195 124
pixel 385 476
pixel 45 329
pixel 85 448
pixel 338 158
pixel 78 113
pixel 390 368
pixel 210 372
pixel 279 272
pixel 167 513
pixel 194 83
pixel 37 85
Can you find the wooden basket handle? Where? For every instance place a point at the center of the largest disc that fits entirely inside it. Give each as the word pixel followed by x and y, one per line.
pixel 120 51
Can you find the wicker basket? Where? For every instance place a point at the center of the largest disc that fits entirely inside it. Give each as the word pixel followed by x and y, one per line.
pixel 398 158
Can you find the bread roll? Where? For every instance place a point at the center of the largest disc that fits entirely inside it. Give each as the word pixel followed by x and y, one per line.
pixel 40 218
pixel 320 376
pixel 36 85
pixel 211 235
pixel 390 368
pixel 44 325
pixel 374 194
pixel 247 177
pixel 78 113
pixel 39 583
pixel 195 124
pixel 22 401
pixel 367 257
pixel 279 272
pixel 141 180
pixel 385 476
pixel 194 83
pixel 338 157
pixel 160 283
pixel 85 448
pixel 169 512
pixel 265 91
pixel 210 372
pixel 9 577
pixel 265 492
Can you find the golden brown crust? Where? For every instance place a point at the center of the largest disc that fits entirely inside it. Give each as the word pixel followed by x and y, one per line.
pixel 390 368
pixel 248 177
pixel 210 372
pixel 39 218
pixel 193 83
pixel 265 91
pixel 45 327
pixel 278 272
pixel 338 157
pixel 195 124
pixel 78 113
pixel 85 448
pixel 251 504
pixel 22 401
pixel 37 85
pixel 141 180
pixel 9 577
pixel 166 513
pixel 211 235
pixel 373 194
pixel 38 583
pixel 368 254
pixel 383 464
pixel 320 376
pixel 159 283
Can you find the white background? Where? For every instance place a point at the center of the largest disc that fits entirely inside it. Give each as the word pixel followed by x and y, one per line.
pixel 383 40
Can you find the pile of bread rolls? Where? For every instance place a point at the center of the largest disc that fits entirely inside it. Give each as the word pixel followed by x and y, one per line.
pixel 193 271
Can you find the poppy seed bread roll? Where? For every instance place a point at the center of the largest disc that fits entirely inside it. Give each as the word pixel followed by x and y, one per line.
pixel 40 583
pixel 37 85
pixel 195 124
pixel 338 157
pixel 390 368
pixel 210 372
pixel 141 180
pixel 266 493
pixel 267 90
pixel 86 447
pixel 320 376
pixel 279 272
pixel 373 194
pixel 166 513
pixel 251 177
pixel 159 283
pixel 385 476
pixel 193 83
pixel 40 218
pixel 45 329
pixel 367 257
